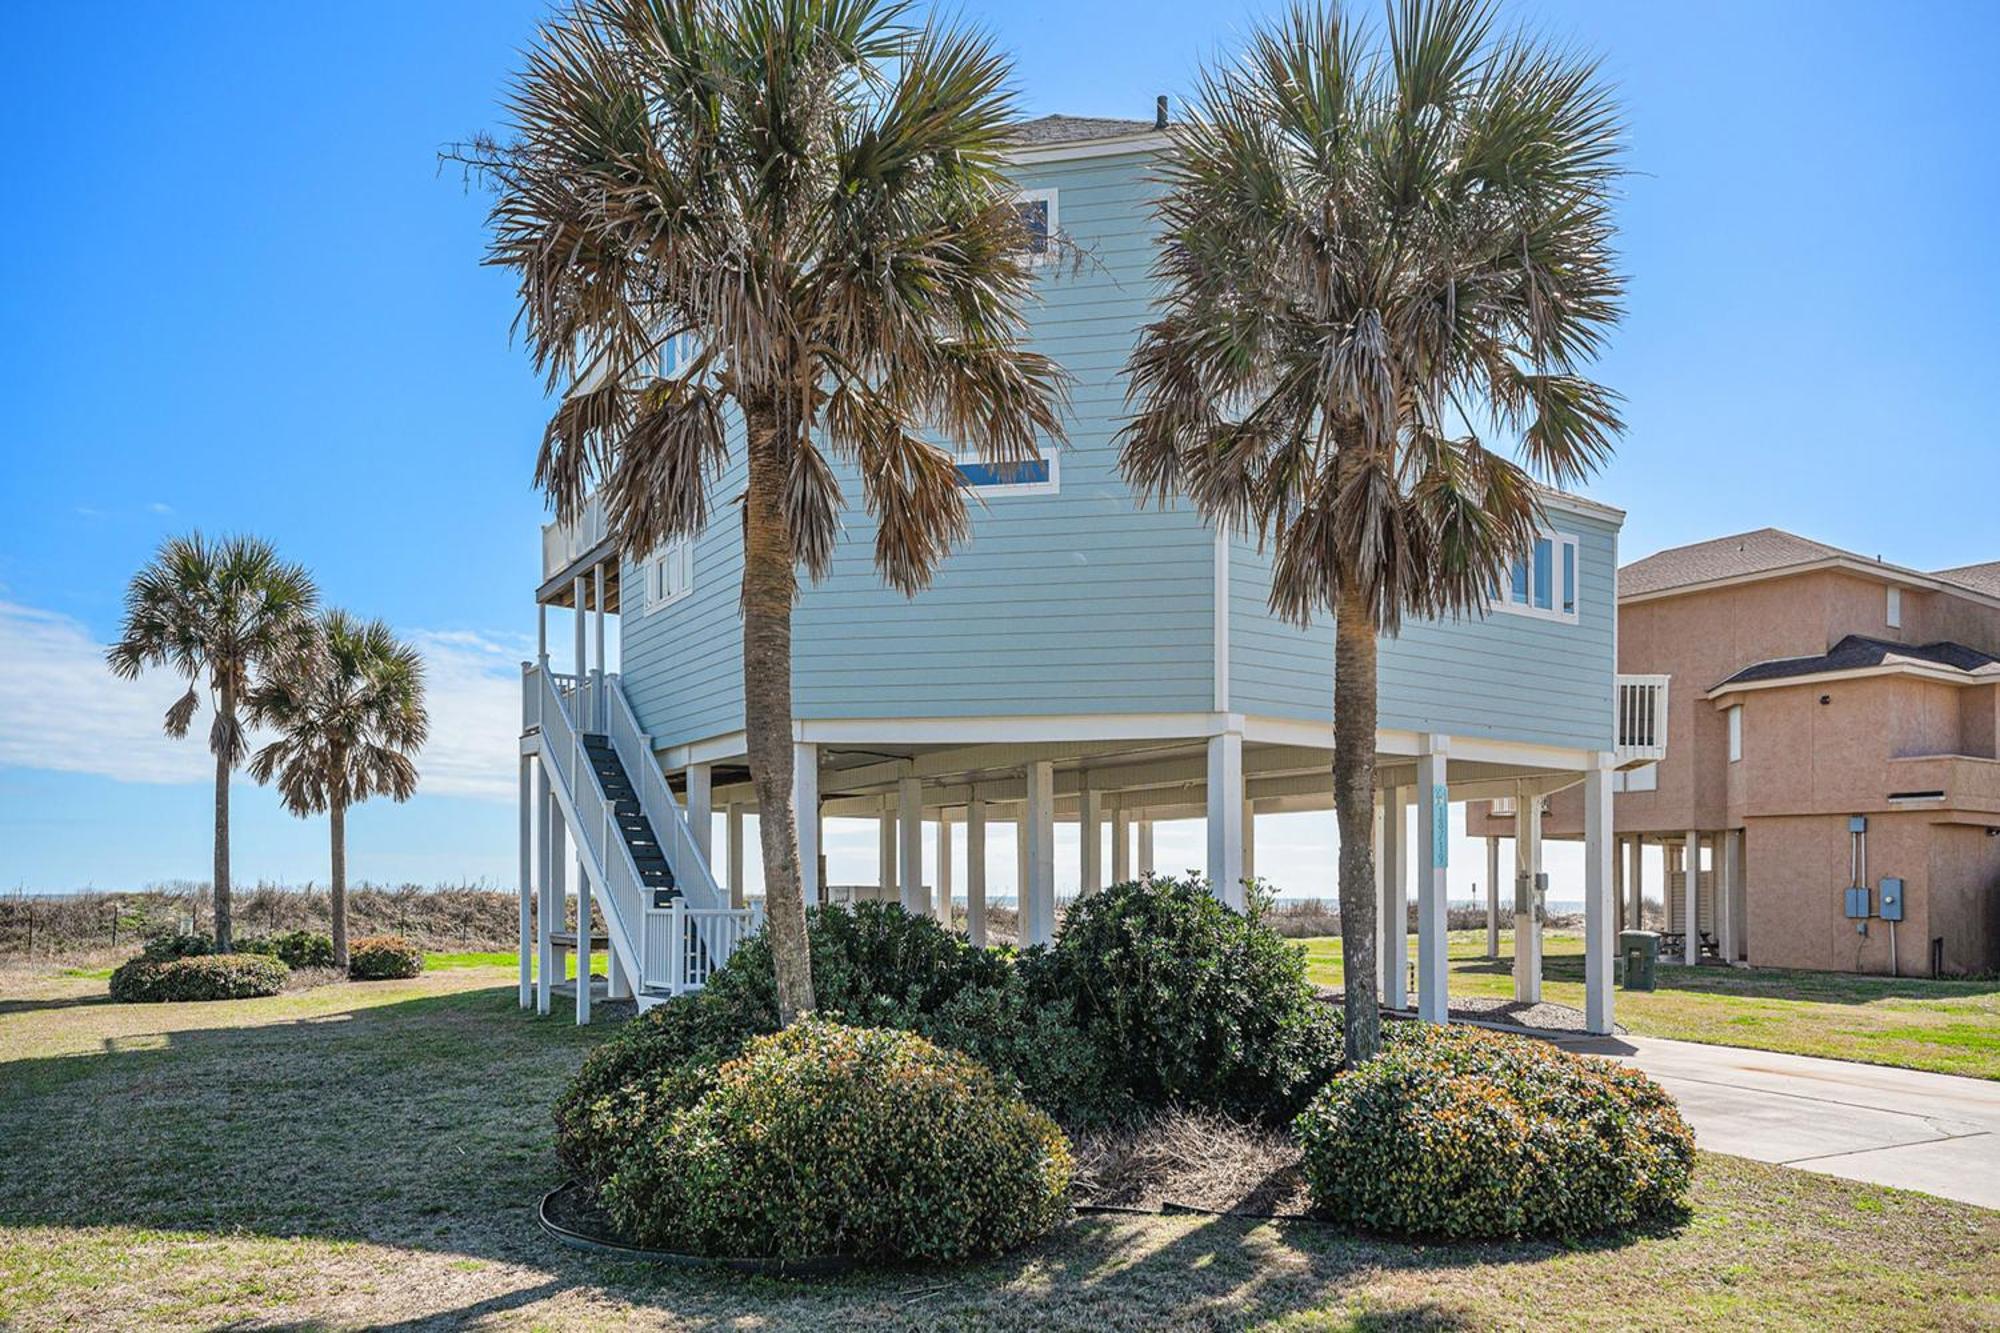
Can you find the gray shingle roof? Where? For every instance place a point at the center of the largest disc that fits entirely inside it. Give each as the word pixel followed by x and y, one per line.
pixel 1980 578
pixel 1756 552
pixel 1857 652
pixel 1047 130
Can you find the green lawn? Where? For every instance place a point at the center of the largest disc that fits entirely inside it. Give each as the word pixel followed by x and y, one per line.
pixel 368 1155
pixel 1951 1027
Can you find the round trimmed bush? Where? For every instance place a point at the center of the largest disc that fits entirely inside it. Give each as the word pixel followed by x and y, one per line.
pixel 1190 1003
pixel 178 944
pixel 1456 1133
pixel 828 1140
pixel 383 958
pixel 215 976
pixel 293 948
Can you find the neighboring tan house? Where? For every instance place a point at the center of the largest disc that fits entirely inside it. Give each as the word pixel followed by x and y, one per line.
pixel 1831 724
pixel 1078 658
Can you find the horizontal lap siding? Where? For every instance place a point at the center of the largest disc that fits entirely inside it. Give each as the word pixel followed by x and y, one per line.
pixel 1501 676
pixel 1076 602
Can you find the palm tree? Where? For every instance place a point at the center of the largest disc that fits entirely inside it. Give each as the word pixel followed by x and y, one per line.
pixel 814 193
pixel 349 713
pixel 1378 251
pixel 216 612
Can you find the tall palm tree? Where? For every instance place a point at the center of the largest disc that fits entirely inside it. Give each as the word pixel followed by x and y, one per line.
pixel 1379 250
pixel 349 714
pixel 216 612
pixel 814 192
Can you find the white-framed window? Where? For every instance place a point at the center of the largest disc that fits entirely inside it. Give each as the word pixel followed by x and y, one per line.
pixel 1544 584
pixel 669 574
pixel 1039 218
pixel 1502 805
pixel 1033 476
pixel 1735 732
pixel 1895 610
pixel 1646 777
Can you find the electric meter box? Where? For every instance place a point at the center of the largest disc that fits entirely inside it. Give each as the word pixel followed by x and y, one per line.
pixel 1892 899
pixel 1528 891
pixel 1857 903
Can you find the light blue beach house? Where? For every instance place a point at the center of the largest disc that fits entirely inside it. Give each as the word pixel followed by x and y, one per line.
pixel 1078 659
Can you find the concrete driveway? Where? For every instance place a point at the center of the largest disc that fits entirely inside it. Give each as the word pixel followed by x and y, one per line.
pixel 1899 1127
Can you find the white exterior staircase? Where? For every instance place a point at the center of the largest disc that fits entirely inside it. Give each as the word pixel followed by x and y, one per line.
pixel 668 925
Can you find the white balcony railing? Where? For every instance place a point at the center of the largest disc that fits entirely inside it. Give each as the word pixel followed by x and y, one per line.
pixel 564 543
pixel 1641 719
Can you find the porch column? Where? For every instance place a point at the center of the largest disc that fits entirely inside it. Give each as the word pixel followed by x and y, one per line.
pixel 1691 898
pixel 732 822
pixel 701 810
pixel 600 702
pixel 1249 840
pixel 583 961
pixel 1599 895
pixel 916 895
pixel 1393 906
pixel 1145 846
pixel 1121 841
pixel 975 872
pixel 1527 902
pixel 1225 818
pixel 542 635
pixel 617 979
pixel 1637 914
pixel 943 896
pixel 527 880
pixel 1492 897
pixel 1090 838
pixel 555 908
pixel 1433 861
pixel 1617 883
pixel 1728 885
pixel 1021 868
pixel 1038 911
pixel 582 660
pixel 805 818
pixel 885 849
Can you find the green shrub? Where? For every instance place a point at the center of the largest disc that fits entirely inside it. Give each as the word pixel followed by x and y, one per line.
pixel 293 948
pixel 215 976
pixel 177 944
pixel 383 958
pixel 1190 1003
pixel 1456 1133
pixel 828 1140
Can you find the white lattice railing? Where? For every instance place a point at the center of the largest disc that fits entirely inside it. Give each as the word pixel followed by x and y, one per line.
pixel 1641 719
pixel 684 945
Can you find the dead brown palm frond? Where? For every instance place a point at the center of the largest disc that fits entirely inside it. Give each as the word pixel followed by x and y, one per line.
pixel 814 192
pixel 1376 247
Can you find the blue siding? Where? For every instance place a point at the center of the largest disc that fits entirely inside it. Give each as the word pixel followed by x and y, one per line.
pixel 1502 676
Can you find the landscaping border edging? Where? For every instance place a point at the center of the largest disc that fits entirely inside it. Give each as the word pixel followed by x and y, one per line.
pixel 824 1266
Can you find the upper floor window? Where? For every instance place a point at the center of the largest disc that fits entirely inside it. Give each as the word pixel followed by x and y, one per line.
pixel 1545 584
pixel 1735 732
pixel 1037 209
pixel 1031 476
pixel 1895 611
pixel 669 574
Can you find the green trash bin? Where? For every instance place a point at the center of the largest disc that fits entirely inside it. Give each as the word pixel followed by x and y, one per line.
pixel 1639 952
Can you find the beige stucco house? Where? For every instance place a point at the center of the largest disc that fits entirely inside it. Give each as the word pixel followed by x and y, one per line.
pixel 1832 722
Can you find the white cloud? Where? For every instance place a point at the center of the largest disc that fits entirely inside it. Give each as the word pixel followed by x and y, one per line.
pixel 65 711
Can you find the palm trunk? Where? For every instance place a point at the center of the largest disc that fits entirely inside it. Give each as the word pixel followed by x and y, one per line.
pixel 227 704
pixel 770 581
pixel 1354 661
pixel 336 819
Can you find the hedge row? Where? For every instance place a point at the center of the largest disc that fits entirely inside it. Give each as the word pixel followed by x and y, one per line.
pixel 215 976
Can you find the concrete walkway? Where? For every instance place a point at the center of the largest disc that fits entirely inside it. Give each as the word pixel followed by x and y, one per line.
pixel 1930 1132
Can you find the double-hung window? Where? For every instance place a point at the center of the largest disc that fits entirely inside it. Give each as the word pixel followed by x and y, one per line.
pixel 1544 584
pixel 669 574
pixel 1037 210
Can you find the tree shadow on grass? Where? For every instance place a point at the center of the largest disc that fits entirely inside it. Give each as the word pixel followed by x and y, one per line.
pixel 61 1002
pixel 1766 983
pixel 422 1124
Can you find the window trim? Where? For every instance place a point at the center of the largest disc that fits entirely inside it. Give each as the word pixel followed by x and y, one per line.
pixel 652 575
pixel 1893 612
pixel 1044 195
pixel 1735 712
pixel 1559 543
pixel 1051 485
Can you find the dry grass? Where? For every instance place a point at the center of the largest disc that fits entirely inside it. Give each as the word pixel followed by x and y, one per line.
pixel 1192 1159
pixel 368 1156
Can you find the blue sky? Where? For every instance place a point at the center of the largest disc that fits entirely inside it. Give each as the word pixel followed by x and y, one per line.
pixel 238 291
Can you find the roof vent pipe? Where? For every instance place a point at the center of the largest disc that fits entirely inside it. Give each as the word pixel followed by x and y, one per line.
pixel 1160 112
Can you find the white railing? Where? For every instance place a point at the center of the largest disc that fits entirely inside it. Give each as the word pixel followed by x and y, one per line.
pixel 563 543
pixel 684 945
pixel 1641 719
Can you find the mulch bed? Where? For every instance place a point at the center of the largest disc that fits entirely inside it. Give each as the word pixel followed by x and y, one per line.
pixel 1191 1160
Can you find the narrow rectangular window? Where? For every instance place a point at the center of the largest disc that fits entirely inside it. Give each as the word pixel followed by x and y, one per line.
pixel 669 575
pixel 1037 211
pixel 1544 573
pixel 1520 591
pixel 1735 732
pixel 1569 578
pixel 1895 608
